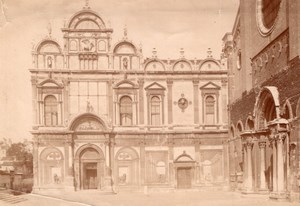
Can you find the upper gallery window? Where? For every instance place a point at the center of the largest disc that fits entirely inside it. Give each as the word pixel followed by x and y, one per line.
pixel 267 12
pixel 126 111
pixel 51 112
pixel 210 110
pixel 155 110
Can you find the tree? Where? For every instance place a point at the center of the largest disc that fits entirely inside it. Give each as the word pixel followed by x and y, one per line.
pixel 23 156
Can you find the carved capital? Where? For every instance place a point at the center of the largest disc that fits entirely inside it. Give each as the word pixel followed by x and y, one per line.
pixel 169 82
pixel 280 137
pixel 262 144
pixel 195 82
pixel 249 144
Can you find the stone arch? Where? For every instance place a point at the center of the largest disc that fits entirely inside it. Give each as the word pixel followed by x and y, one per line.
pixel 125 47
pixel 182 66
pixel 98 123
pixel 209 61
pixel 50 83
pixel 298 108
pixel 48 46
pixel 85 15
pixel 286 110
pixel 81 150
pixel 232 131
pixel 151 65
pixel 267 107
pixel 249 123
pixel 89 167
pixel 52 167
pixel 239 127
pixel 126 167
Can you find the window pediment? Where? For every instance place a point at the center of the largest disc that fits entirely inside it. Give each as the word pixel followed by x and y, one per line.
pixel 210 86
pixel 155 86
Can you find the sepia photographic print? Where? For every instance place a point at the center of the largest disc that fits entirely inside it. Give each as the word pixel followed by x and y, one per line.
pixel 149 103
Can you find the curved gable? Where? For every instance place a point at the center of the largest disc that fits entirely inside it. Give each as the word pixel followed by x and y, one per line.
pixel 125 48
pixel 48 46
pixel 209 64
pixel 154 65
pixel 182 65
pixel 86 19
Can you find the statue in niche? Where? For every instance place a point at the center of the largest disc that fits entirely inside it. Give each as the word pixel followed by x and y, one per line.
pixel 49 62
pixel 125 63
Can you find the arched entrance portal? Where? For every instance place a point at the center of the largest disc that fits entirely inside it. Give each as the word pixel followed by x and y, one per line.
pixel 90 132
pixel 91 169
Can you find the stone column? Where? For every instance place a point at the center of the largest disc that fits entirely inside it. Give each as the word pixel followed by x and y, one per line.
pixel 224 100
pixel 196 102
pixel 274 154
pixel 262 147
pixel 35 165
pixel 141 101
pixel 34 101
pixel 198 161
pixel 280 161
pixel 170 102
pixel 142 156
pixel 249 146
pixel 110 101
pixel 111 159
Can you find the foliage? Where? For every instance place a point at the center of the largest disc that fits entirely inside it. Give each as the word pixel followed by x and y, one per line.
pixel 23 156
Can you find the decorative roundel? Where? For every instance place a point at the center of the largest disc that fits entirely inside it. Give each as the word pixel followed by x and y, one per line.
pixel 183 103
pixel 266 15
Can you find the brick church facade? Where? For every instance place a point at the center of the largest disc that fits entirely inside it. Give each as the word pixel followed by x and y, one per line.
pixel 105 116
pixel 264 98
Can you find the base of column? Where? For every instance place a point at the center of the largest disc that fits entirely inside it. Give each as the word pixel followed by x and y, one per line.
pixel 263 191
pixel 247 191
pixel 279 196
pixel 108 186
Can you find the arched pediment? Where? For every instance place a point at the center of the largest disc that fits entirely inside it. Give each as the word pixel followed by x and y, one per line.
pixel 86 19
pixel 50 83
pixel 126 153
pixel 126 84
pixel 48 46
pixel 125 47
pixel 182 65
pixel 184 158
pixel 210 64
pixel 154 65
pixel 87 122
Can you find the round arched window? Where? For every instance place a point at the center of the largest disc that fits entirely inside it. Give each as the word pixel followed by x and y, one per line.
pixel 267 12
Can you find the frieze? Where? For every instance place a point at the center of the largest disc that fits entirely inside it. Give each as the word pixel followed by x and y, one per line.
pixel 271 59
pixel 92 137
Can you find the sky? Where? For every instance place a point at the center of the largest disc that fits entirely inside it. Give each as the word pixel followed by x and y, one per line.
pixel 166 25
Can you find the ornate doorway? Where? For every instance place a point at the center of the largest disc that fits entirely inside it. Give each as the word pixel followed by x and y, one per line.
pixel 89 167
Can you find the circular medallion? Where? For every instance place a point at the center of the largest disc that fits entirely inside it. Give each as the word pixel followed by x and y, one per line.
pixel 266 15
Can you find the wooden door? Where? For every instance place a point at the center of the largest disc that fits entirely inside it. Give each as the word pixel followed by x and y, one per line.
pixel 184 178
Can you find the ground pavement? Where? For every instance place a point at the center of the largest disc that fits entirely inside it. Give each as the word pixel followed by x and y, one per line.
pixel 175 198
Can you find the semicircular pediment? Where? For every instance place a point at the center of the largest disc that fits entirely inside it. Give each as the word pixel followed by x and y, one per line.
pixel 86 20
pixel 89 124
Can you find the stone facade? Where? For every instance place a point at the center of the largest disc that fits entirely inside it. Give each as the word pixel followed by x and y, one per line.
pixel 263 65
pixel 106 117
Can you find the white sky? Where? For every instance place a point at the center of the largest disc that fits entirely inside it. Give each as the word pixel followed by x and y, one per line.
pixel 167 25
